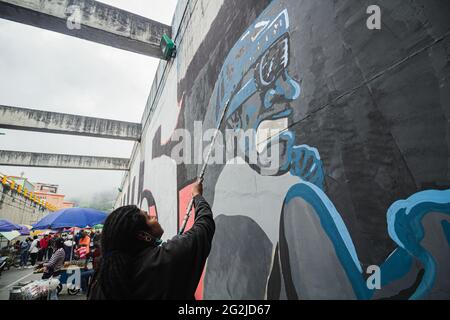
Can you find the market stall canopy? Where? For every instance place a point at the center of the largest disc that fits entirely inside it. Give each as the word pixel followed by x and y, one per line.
pixel 70 229
pixel 41 232
pixel 6 226
pixel 24 230
pixel 36 232
pixel 71 217
pixel 10 235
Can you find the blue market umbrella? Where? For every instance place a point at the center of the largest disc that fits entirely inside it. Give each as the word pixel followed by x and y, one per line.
pixel 71 217
pixel 24 231
pixel 6 226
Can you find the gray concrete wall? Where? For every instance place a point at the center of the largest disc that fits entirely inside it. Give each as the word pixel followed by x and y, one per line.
pixel 99 22
pixel 365 149
pixel 16 208
pixel 53 122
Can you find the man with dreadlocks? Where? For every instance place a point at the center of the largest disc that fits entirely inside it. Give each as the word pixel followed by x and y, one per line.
pixel 136 265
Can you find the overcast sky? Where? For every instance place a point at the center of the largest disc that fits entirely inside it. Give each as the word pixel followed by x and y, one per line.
pixel 44 70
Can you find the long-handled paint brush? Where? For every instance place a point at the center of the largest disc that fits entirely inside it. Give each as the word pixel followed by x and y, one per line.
pixel 202 172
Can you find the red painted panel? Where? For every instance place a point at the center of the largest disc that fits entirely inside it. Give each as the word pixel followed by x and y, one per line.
pixel 152 211
pixel 184 196
pixel 199 291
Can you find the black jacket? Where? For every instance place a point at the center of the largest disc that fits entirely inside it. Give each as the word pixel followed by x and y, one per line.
pixel 173 269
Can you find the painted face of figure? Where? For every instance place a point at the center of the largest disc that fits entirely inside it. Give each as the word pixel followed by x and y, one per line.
pixel 259 88
pixel 268 110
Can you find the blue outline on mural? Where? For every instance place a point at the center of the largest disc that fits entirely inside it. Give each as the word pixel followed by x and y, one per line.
pixel 406 229
pixel 404 222
pixel 264 49
pixel 258 64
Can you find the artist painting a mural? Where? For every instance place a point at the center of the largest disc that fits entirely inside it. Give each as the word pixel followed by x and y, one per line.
pixel 347 195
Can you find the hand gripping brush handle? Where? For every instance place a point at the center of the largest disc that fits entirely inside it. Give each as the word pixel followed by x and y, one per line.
pixel 202 172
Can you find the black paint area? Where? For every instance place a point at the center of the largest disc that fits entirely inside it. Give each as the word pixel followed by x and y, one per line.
pixel 239 263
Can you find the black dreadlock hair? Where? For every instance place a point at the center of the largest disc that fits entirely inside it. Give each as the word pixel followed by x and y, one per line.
pixel 59 243
pixel 119 243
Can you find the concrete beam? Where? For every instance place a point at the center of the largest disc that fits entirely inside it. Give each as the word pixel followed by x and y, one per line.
pixel 53 122
pixel 68 161
pixel 99 23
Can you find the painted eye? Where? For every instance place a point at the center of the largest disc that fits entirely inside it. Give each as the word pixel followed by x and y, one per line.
pixel 273 62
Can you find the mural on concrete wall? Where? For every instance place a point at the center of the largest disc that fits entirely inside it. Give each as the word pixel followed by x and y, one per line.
pixel 348 193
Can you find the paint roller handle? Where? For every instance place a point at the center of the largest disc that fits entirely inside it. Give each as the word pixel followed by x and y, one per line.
pixel 186 216
pixel 197 189
pixel 202 172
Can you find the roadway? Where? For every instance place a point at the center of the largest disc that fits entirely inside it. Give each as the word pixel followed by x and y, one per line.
pixel 13 277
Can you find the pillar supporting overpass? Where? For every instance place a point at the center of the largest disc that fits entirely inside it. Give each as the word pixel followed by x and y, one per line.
pixel 53 122
pixel 50 160
pixel 93 21
pixel 90 20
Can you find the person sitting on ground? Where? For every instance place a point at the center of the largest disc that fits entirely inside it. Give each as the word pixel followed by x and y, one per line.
pixel 136 265
pixel 53 267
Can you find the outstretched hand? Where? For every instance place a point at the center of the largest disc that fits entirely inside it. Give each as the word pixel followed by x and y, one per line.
pixel 197 188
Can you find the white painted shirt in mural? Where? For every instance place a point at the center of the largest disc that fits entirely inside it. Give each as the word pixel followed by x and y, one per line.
pixel 242 191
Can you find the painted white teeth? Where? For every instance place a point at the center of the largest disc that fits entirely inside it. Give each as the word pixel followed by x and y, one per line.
pixel 268 129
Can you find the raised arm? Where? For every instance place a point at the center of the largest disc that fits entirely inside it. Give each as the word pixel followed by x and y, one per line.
pixel 204 225
pixel 192 248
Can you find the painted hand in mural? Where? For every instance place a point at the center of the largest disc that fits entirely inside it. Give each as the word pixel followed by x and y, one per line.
pixel 302 161
pixel 306 164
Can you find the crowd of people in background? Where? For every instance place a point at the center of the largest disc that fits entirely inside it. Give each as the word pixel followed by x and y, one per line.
pixel 36 250
pixel 50 253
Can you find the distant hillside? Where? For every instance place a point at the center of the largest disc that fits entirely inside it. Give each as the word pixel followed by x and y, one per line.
pixel 103 200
